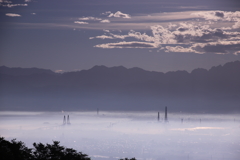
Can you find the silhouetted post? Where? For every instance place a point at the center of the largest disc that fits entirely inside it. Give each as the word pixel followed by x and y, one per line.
pixel 182 120
pixel 158 116
pixel 64 120
pixel 166 114
pixel 68 120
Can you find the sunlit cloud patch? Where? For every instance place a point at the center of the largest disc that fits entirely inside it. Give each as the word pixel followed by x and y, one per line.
pixel 119 14
pixel 215 32
pixel 80 22
pixel 133 44
pixel 13 15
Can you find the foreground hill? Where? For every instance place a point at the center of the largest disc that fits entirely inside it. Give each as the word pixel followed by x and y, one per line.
pixel 119 88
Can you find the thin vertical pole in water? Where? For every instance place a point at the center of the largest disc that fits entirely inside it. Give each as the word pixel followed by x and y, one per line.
pixel 158 116
pixel 166 114
pixel 68 120
pixel 64 120
pixel 182 120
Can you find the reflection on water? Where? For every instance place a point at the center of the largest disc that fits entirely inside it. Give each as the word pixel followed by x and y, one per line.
pixel 113 135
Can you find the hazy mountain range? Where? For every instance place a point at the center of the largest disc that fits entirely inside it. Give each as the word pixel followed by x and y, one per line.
pixel 216 90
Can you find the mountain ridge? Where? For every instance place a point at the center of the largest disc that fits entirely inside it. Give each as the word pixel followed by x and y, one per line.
pixel 35 70
pixel 120 88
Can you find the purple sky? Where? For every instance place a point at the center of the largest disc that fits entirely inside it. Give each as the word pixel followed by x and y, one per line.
pixel 154 35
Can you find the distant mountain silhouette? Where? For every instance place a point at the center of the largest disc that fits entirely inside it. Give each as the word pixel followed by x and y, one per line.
pixel 119 88
pixel 23 71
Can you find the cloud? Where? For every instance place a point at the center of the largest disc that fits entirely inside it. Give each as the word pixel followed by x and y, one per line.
pixel 105 21
pixel 9 4
pixel 59 71
pixel 90 18
pixel 196 37
pixel 236 25
pixel 13 5
pixel 178 49
pixel 220 16
pixel 197 32
pixel 124 44
pixel 80 22
pixel 119 14
pixel 102 37
pixel 13 15
pixel 107 13
pixel 221 47
pixel 236 53
pixel 5 1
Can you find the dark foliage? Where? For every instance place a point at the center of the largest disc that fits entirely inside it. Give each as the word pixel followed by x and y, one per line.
pixel 56 152
pixel 128 159
pixel 16 150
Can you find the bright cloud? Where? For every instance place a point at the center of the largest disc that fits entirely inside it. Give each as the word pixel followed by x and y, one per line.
pixel 220 16
pixel 13 15
pixel 80 22
pixel 119 14
pixel 124 44
pixel 102 37
pixel 90 19
pixel 221 47
pixel 189 36
pixel 105 21
pixel 178 49
pixel 13 5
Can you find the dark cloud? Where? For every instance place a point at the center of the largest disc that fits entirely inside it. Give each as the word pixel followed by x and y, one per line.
pixel 207 36
pixel 182 29
pixel 219 48
pixel 219 14
pixel 211 36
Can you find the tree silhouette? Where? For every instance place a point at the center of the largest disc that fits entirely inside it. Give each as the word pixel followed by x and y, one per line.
pixel 16 150
pixel 56 152
pixel 128 159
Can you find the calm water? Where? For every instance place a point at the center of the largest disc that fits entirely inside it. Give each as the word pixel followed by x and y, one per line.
pixel 114 135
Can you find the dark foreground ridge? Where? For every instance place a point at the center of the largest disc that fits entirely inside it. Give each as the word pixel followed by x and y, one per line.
pixel 16 150
pixel 119 88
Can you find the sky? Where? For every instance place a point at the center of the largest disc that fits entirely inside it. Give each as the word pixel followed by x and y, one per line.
pixel 156 35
